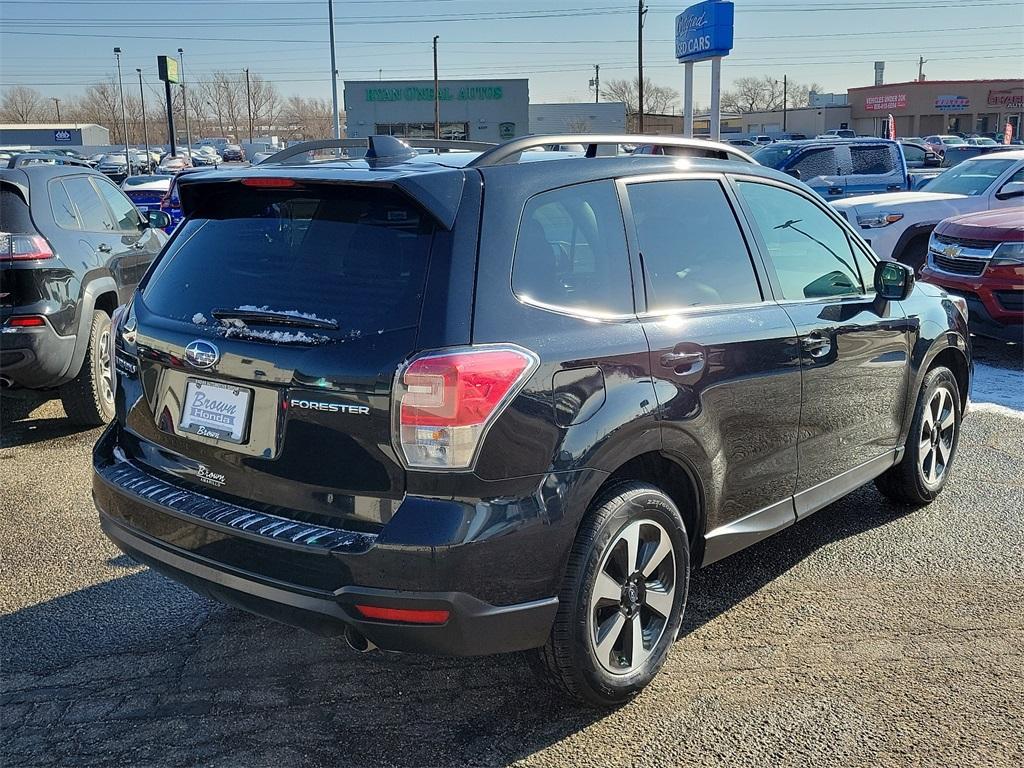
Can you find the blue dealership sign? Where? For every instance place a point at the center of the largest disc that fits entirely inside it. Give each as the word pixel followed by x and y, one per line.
pixel 704 31
pixel 61 136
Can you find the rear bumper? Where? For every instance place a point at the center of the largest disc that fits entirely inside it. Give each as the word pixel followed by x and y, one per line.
pixel 473 627
pixel 35 358
pixel 312 576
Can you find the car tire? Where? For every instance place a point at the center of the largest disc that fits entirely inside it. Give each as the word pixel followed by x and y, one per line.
pixel 930 449
pixel 87 398
pixel 591 654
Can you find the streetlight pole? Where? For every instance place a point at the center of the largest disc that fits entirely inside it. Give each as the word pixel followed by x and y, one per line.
pixel 57 104
pixel 145 127
pixel 437 96
pixel 124 114
pixel 248 101
pixel 640 13
pixel 596 82
pixel 184 98
pixel 334 72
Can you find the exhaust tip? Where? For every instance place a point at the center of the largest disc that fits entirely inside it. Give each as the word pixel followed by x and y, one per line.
pixel 357 641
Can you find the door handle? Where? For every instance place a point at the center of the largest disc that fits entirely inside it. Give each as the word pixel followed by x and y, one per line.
pixel 103 247
pixel 816 345
pixel 138 245
pixel 683 363
pixel 835 190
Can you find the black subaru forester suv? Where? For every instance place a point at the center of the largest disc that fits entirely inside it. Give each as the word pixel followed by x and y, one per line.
pixel 470 404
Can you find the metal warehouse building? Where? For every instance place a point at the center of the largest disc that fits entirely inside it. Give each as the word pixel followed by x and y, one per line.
pixel 578 117
pixel 54 135
pixel 477 110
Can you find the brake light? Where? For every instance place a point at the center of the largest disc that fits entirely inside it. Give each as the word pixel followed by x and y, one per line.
pixel 408 615
pixel 16 247
pixel 445 401
pixel 268 181
pixel 27 321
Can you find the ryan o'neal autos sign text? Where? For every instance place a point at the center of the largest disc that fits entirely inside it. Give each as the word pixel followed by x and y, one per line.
pixel 413 93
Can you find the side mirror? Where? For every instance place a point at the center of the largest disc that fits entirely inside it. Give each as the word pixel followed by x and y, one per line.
pixel 795 173
pixel 893 281
pixel 158 219
pixel 1011 190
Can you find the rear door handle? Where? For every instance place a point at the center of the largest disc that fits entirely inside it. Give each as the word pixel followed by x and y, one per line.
pixel 683 363
pixel 835 190
pixel 816 345
pixel 104 248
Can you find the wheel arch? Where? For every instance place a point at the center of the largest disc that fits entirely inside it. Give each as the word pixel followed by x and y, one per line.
pixel 98 293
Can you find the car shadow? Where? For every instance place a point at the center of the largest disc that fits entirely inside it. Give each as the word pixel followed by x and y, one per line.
pixel 141 670
pixel 18 428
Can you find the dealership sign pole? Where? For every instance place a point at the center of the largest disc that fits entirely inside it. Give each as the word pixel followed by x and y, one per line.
pixel 167 70
pixel 704 31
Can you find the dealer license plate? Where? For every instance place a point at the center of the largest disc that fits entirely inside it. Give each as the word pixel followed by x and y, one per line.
pixel 220 411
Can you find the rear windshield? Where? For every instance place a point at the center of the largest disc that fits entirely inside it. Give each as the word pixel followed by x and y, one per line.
pixel 354 257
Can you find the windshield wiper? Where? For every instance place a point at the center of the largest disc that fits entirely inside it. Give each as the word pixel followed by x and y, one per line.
pixel 269 317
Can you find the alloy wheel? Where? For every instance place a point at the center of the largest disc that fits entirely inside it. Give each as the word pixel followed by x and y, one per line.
pixel 106 391
pixel 632 597
pixel 938 429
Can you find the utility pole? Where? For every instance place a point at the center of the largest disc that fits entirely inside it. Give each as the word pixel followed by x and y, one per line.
pixel 124 113
pixel 437 96
pixel 248 101
pixel 57 103
pixel 785 100
pixel 920 69
pixel 334 73
pixel 184 100
pixel 596 82
pixel 640 13
pixel 145 127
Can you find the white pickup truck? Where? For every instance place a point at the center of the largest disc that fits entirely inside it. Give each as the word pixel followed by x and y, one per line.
pixel 897 225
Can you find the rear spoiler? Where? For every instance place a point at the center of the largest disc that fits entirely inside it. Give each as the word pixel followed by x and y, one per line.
pixel 440 198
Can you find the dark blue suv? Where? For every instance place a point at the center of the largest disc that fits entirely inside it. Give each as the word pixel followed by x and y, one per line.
pixel 473 403
pixel 837 168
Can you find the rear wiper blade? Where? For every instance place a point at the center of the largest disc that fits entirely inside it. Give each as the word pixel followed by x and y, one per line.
pixel 269 317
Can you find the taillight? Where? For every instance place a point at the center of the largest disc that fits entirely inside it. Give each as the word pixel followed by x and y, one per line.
pixel 445 401
pixel 16 247
pixel 26 321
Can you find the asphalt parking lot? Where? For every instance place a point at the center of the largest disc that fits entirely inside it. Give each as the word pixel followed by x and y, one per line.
pixel 866 635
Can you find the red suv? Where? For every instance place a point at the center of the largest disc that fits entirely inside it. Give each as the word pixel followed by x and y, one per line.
pixel 980 256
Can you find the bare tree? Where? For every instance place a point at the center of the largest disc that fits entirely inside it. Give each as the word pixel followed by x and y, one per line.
pixel 266 103
pixel 21 104
pixel 101 104
pixel 763 94
pixel 578 125
pixel 657 98
pixel 307 118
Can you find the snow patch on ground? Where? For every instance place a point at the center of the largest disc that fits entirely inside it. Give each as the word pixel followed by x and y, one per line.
pixel 998 390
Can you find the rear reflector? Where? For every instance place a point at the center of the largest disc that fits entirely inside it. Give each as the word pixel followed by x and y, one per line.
pixel 17 247
pixel 445 401
pixel 407 615
pixel 264 181
pixel 27 321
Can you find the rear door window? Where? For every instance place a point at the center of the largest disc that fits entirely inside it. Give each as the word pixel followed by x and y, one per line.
pixel 93 213
pixel 571 251
pixel 355 257
pixel 64 212
pixel 872 160
pixel 692 251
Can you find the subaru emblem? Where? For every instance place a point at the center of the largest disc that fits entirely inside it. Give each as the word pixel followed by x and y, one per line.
pixel 202 354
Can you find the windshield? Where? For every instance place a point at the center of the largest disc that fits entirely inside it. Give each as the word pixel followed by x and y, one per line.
pixel 773 155
pixel 970 178
pixel 353 257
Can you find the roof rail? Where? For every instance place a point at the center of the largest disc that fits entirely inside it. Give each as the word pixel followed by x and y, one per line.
pixel 383 147
pixel 40 158
pixel 510 150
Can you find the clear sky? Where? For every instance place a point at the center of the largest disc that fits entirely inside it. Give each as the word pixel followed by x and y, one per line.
pixel 60 46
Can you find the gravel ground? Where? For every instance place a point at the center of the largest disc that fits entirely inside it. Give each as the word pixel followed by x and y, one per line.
pixel 865 635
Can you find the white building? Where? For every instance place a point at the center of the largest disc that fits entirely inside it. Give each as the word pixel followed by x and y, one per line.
pixel 578 117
